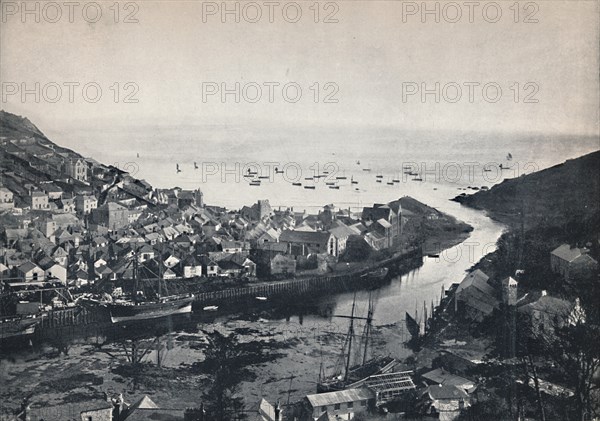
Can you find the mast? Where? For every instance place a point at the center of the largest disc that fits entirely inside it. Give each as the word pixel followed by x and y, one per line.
pixel 160 275
pixel 350 335
pixel 368 328
pixel 135 280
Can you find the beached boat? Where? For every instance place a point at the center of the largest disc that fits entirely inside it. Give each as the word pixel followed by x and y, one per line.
pixel 136 307
pixel 211 308
pixel 345 373
pixel 17 326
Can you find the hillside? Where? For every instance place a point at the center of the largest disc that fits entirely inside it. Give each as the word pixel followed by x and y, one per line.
pixel 553 197
pixel 13 126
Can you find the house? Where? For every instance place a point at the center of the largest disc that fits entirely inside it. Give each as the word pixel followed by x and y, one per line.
pixel 303 243
pixel 344 403
pixel 91 410
pixel 342 232
pixel 111 215
pixel 268 412
pixel 391 213
pixel 76 168
pixel 547 313
pixel 146 252
pixel 52 190
pixel 444 402
pixel 230 268
pixel 232 246
pixel 145 409
pixel 209 266
pixel 38 201
pixel 30 272
pixel 376 240
pixel 440 376
pixel 67 204
pixel 258 211
pixel 6 198
pixel 192 266
pixel 283 265
pixel 475 298
pixel 572 262
pixel 53 270
pixel 85 204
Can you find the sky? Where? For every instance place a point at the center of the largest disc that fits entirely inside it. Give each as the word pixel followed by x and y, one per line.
pixel 369 64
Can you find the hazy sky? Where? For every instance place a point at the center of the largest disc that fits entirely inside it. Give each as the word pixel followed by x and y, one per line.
pixel 376 50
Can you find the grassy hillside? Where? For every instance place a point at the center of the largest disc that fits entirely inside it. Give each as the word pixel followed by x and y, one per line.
pixel 14 127
pixel 553 197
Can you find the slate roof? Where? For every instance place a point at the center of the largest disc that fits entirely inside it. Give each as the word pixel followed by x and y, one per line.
pixel 441 392
pixel 331 398
pixel 566 252
pixel 318 237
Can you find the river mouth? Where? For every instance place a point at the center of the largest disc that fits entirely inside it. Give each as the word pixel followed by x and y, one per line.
pixel 296 336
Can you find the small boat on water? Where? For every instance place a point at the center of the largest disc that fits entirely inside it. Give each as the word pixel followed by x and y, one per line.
pixel 417 179
pixel 395 180
pixel 255 183
pixel 308 178
pixel 330 183
pixel 296 184
pixel 367 169
pixel 261 298
pixel 433 256
pixel 309 187
pixel 211 308
pixel 377 274
pixel 379 176
pixel 263 177
pixel 334 187
pixel 378 180
pixel 353 181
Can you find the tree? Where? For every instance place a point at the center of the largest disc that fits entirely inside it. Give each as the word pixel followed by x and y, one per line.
pixel 571 342
pixel 224 361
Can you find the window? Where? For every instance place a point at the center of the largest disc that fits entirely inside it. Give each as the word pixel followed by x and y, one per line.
pixel 337 406
pixel 324 409
pixel 350 404
pixel 363 403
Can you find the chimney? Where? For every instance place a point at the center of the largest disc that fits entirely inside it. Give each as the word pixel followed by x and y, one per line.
pixel 544 293
pixel 277 411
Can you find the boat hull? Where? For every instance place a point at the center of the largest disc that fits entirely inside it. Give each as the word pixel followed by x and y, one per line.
pixel 17 328
pixel 144 311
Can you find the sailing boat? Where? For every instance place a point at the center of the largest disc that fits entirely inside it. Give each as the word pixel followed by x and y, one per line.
pixel 345 374
pixel 137 308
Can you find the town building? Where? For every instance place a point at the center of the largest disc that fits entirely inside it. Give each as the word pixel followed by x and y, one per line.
pixel 283 265
pixel 111 215
pixel 572 262
pixel 38 200
pixel 303 243
pixel 345 403
pixel 446 402
pixel 6 198
pixel 30 272
pixel 475 298
pixel 76 168
pixel 85 204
